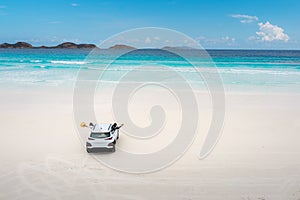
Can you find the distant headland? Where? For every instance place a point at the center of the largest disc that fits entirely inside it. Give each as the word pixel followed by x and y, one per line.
pixel 71 45
pixel 65 45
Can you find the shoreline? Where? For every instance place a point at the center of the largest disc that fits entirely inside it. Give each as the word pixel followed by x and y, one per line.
pixel 228 89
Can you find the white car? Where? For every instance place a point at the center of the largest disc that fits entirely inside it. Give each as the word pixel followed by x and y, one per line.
pixel 102 136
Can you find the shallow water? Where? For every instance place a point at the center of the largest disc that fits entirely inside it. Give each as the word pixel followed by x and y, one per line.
pixel 239 69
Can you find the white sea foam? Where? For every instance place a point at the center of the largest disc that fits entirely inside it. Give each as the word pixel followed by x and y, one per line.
pixel 68 62
pixel 260 71
pixel 10 68
pixel 35 61
pixel 201 70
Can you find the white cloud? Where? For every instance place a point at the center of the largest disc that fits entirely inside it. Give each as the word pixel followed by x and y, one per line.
pixel 253 38
pixel 50 40
pixel 148 40
pixel 199 38
pixel 228 39
pixel 215 41
pixel 269 32
pixel 74 4
pixel 245 18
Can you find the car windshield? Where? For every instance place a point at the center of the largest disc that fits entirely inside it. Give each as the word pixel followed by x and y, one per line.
pixel 100 135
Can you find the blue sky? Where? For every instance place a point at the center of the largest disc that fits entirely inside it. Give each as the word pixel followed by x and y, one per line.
pixel 214 23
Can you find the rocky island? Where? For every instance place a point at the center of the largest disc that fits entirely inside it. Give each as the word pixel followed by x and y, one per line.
pixel 65 45
pixel 71 45
pixel 122 46
pixel 18 45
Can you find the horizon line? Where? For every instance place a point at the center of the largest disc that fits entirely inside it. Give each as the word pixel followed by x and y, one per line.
pixel 125 46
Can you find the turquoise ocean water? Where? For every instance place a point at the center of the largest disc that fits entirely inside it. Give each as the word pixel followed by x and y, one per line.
pixel 276 69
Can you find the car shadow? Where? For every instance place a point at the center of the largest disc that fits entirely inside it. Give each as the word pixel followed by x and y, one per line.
pixel 100 151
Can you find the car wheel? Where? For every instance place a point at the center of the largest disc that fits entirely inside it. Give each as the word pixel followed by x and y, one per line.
pixel 113 149
pixel 88 150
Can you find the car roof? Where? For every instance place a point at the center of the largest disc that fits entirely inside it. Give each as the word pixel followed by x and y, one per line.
pixel 100 128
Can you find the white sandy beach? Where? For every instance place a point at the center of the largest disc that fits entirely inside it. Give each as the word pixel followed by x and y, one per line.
pixel 257 156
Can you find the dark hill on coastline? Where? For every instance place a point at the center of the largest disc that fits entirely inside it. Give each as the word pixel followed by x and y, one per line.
pixel 177 48
pixel 18 45
pixel 121 46
pixel 66 45
pixel 71 45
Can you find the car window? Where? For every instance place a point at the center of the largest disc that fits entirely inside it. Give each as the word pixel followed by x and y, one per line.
pixel 100 135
